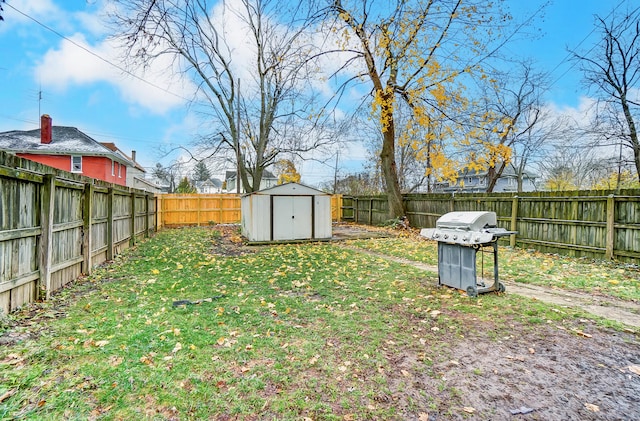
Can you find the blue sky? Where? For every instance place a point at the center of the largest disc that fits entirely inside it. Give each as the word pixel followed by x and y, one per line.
pixel 42 72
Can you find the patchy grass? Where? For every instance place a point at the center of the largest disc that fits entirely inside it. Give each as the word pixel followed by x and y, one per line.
pixel 530 267
pixel 288 332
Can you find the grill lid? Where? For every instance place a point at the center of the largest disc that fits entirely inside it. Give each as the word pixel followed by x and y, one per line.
pixel 469 221
pixel 466 228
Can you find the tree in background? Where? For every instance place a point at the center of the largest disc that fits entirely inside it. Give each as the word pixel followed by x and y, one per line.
pixel 613 68
pixel 272 113
pixel 201 172
pixel 168 174
pixel 185 186
pixel 411 52
pixel 287 172
pixel 514 100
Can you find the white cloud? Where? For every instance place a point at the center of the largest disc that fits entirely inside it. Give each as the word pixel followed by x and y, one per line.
pixel 75 62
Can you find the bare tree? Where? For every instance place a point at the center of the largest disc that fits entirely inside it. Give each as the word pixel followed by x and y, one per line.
pixel 532 147
pixel 252 126
pixel 612 67
pixel 514 100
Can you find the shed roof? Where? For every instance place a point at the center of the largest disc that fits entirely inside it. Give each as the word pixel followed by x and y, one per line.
pixel 290 189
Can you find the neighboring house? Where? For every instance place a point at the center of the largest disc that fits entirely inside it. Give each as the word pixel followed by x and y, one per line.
pixel 212 185
pixel 268 180
pixel 67 149
pixel 136 175
pixel 477 182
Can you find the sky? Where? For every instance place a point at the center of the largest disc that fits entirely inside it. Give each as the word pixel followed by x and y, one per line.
pixel 56 59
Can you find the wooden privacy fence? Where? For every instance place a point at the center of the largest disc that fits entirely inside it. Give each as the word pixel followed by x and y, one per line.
pixel 209 209
pixel 593 224
pixel 55 226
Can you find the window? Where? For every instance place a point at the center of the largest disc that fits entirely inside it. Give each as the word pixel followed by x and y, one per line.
pixel 120 170
pixel 76 163
pixel 113 168
pixel 483 181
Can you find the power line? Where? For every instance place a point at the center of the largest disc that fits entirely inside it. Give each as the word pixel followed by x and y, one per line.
pixel 569 55
pixel 122 69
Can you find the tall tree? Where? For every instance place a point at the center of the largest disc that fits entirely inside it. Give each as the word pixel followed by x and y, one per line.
pixel 201 172
pixel 514 100
pixel 612 67
pixel 287 172
pixel 411 52
pixel 258 44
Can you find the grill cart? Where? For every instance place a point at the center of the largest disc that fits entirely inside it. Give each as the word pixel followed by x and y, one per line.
pixel 460 236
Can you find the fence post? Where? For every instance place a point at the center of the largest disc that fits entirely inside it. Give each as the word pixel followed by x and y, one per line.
pixel 147 208
pixel 355 210
pixel 87 244
pixel 514 220
pixel 110 231
pixel 370 212
pixel 46 238
pixel 132 239
pixel 611 219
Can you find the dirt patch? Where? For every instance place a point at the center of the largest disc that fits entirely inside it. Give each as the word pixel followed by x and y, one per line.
pixel 228 242
pixel 548 374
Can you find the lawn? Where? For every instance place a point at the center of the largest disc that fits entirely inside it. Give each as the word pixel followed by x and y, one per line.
pixel 191 325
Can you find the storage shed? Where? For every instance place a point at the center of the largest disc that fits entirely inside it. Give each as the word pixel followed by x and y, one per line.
pixel 286 212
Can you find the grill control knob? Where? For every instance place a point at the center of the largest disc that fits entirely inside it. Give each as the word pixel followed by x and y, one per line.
pixel 477 238
pixel 436 235
pixel 446 236
pixel 465 238
pixel 455 237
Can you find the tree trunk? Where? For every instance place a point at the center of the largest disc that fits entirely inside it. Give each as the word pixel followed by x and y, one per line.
pixel 494 174
pixel 633 134
pixel 389 170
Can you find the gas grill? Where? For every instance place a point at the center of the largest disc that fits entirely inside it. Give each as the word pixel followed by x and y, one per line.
pixel 460 236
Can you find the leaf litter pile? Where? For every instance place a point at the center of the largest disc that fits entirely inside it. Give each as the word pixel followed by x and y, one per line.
pixel 192 325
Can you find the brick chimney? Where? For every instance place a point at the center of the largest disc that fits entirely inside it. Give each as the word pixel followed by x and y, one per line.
pixel 133 156
pixel 45 129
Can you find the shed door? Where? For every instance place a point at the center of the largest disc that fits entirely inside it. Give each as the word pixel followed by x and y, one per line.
pixel 292 217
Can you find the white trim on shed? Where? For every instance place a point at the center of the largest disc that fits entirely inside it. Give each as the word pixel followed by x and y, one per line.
pixel 287 212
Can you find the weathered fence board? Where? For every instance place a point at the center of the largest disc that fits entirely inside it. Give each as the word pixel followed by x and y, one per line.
pixel 593 224
pixel 55 226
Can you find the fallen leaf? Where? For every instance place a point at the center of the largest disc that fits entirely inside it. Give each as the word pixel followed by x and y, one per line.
pixel 115 361
pixel 581 333
pixel 155 271
pixel 469 409
pixel 423 416
pixel 635 369
pixel 6 395
pixel 177 348
pixel 591 407
pixel 532 351
pixel 100 344
pixel 405 373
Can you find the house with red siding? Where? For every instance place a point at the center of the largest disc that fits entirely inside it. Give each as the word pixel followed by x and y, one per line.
pixel 68 149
